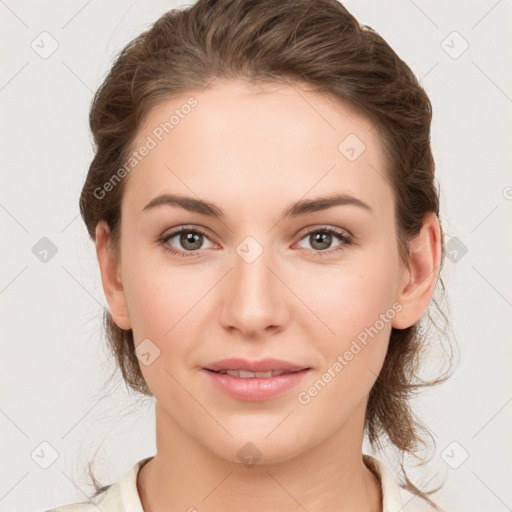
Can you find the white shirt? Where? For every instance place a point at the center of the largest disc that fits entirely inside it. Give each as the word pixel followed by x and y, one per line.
pixel 122 496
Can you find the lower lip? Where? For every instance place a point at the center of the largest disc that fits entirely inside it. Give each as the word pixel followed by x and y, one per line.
pixel 255 388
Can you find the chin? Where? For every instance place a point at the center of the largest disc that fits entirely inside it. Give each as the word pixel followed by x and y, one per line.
pixel 252 447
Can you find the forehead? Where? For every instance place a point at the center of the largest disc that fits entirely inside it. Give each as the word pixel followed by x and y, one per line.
pixel 242 141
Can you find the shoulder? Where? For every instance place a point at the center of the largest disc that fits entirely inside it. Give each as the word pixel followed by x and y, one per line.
pixel 394 497
pixel 120 496
pixel 111 497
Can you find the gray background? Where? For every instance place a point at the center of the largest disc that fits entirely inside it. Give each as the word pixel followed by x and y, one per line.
pixel 54 361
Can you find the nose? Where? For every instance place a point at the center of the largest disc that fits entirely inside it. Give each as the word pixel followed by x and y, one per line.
pixel 254 297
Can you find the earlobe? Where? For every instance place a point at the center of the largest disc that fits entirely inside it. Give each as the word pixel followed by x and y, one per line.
pixel 416 289
pixel 112 285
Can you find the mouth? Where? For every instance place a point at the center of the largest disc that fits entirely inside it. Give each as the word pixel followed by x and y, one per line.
pixel 259 368
pixel 245 374
pixel 255 380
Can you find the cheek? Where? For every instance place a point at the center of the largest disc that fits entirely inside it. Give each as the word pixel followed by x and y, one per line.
pixel 167 304
pixel 161 308
pixel 350 299
pixel 351 326
pixel 352 358
pixel 159 294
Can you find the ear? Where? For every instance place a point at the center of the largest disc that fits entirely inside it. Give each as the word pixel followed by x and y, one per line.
pixel 110 272
pixel 418 281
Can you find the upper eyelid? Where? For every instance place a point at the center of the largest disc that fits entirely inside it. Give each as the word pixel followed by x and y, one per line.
pixel 323 227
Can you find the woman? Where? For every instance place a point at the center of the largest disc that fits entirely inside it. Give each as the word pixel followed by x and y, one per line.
pixel 263 204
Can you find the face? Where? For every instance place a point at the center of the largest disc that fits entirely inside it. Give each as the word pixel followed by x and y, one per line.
pixel 252 277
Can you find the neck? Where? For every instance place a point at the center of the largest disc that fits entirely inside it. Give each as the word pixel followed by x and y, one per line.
pixel 184 475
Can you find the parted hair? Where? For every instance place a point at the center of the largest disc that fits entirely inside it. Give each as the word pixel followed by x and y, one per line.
pixel 318 44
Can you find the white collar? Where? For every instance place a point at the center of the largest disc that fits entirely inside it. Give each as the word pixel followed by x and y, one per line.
pixel 124 491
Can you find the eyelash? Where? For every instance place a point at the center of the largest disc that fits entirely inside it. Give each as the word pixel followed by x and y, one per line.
pixel 345 239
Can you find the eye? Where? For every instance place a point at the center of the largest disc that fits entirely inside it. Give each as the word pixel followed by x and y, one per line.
pixel 190 239
pixel 321 240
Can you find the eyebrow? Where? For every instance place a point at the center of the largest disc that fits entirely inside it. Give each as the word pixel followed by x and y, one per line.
pixel 297 209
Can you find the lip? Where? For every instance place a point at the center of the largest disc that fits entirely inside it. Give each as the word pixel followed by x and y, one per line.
pixel 255 388
pixel 263 365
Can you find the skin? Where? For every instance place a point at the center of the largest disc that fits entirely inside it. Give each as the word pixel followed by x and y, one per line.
pixel 253 150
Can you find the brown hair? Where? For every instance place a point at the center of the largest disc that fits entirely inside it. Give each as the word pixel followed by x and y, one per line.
pixel 318 44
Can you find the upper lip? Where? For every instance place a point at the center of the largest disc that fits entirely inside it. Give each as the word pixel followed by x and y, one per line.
pixel 262 365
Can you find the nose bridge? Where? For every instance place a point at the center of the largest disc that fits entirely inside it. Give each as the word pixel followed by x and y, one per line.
pixel 254 300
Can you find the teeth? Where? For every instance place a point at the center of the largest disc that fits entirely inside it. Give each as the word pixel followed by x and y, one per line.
pixel 244 374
